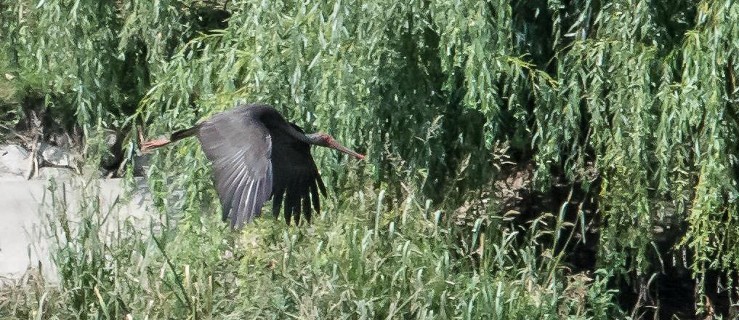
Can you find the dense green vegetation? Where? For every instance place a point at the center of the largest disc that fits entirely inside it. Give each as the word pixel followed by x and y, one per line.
pixel 527 159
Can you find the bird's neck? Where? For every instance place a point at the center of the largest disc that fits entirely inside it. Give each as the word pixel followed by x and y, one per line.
pixel 314 138
pixel 292 131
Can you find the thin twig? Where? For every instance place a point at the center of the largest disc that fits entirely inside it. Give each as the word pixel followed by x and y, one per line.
pixel 33 161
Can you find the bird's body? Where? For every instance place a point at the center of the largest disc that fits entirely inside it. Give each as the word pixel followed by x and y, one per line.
pixel 256 154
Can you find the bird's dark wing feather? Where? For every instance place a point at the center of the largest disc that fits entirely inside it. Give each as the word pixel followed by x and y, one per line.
pixel 296 179
pixel 239 147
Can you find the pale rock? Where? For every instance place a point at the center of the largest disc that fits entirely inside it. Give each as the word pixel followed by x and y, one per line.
pixel 14 162
pixel 55 156
pixel 47 173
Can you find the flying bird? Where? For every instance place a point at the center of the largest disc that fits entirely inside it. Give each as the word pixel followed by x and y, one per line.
pixel 257 154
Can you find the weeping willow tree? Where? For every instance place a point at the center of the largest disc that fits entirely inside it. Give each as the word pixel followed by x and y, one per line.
pixel 635 101
pixel 646 95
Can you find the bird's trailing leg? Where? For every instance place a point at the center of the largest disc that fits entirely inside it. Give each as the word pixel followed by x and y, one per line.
pixel 146 146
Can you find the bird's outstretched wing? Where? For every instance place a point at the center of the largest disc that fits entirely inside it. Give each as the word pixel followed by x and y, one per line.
pixel 239 146
pixel 296 179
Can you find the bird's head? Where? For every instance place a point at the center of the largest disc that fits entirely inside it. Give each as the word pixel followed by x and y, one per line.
pixel 325 140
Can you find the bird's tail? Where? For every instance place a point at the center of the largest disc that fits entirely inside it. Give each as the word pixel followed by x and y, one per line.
pixel 179 135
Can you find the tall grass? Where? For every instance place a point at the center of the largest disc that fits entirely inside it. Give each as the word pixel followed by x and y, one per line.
pixel 359 259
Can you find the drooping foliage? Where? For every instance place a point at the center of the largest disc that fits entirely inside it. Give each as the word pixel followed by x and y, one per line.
pixel 633 101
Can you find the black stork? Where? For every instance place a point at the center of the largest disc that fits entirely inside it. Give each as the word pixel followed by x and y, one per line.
pixel 257 154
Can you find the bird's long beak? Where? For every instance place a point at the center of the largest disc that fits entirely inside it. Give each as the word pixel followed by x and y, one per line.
pixel 335 145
